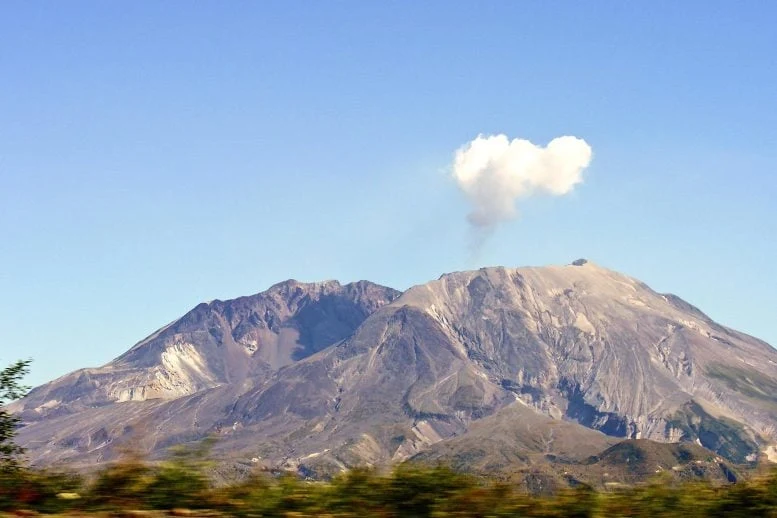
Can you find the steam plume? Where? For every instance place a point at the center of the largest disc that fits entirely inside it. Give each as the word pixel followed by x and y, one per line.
pixel 494 172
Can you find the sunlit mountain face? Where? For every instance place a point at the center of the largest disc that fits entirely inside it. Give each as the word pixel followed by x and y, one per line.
pixel 556 362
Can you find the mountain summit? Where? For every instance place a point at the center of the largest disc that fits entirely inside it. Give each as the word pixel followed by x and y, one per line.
pixel 557 360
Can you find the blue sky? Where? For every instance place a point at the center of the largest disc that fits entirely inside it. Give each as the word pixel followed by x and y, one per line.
pixel 157 154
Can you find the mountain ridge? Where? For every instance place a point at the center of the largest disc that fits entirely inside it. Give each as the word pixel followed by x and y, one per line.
pixel 322 376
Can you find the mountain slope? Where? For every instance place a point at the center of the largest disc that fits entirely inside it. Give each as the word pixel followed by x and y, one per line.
pixel 579 343
pixel 224 347
pixel 363 376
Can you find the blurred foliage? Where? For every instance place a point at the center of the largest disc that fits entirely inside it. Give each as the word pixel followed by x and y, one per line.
pixel 11 389
pixel 181 486
pixel 46 492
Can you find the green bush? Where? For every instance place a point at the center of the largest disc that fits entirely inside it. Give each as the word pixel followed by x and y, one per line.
pixel 46 492
pixel 408 491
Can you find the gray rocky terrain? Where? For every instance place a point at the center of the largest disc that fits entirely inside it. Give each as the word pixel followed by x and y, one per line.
pixel 496 366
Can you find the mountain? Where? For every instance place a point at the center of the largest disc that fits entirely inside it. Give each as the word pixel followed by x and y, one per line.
pixel 491 368
pixel 222 347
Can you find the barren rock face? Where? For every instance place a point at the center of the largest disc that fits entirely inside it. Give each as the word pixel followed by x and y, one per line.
pixel 594 346
pixel 318 377
pixel 235 343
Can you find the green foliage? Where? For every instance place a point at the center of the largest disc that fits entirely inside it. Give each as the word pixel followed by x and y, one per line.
pixel 355 489
pixel 408 491
pixel 121 485
pixel 416 492
pixel 181 481
pixel 11 389
pixel 46 492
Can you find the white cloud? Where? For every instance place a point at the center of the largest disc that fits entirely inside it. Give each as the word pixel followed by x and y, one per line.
pixel 494 172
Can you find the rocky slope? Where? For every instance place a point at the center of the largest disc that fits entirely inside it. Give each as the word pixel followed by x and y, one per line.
pixel 319 377
pixel 228 346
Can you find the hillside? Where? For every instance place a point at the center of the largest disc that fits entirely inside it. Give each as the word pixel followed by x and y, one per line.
pixel 489 369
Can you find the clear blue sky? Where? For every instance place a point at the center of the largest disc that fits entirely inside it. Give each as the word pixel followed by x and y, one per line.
pixel 157 154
